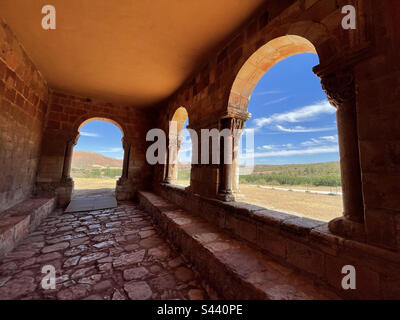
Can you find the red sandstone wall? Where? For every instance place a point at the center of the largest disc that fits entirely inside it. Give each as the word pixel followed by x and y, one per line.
pixel 67 113
pixel 23 103
pixel 206 96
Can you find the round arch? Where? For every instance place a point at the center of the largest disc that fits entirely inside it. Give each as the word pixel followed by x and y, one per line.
pixel 180 116
pixel 260 62
pixel 82 122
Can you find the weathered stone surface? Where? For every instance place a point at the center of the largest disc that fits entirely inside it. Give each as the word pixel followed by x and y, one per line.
pixel 78 291
pixel 135 273
pixel 129 258
pixel 17 288
pixel 138 290
pixel 195 294
pixel 184 274
pixel 56 247
pixel 108 270
pixel 92 257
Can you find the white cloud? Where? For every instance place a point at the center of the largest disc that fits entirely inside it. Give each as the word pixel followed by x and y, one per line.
pixel 275 101
pixel 111 150
pixel 268 92
pixel 320 141
pixel 89 134
pixel 266 147
pixel 300 129
pixel 306 113
pixel 286 153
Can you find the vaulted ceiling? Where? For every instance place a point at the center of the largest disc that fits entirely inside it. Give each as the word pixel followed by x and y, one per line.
pixel 131 52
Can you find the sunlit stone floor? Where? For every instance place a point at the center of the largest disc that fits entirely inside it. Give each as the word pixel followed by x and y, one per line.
pixel 106 254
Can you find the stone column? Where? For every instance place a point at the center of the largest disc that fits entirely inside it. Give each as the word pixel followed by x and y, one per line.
pixel 340 89
pixel 69 149
pixel 167 177
pixel 127 152
pixel 173 143
pixel 125 189
pixel 225 192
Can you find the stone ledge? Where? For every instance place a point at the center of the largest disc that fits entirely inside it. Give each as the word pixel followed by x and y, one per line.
pixel 236 270
pixel 23 218
pixel 301 242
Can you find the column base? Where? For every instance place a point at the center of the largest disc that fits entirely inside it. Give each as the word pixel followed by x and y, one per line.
pixel 226 196
pixel 124 190
pixel 64 192
pixel 348 229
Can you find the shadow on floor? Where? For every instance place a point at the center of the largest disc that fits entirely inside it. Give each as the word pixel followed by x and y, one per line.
pixel 90 200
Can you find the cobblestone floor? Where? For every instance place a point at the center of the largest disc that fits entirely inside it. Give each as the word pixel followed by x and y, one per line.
pixel 107 254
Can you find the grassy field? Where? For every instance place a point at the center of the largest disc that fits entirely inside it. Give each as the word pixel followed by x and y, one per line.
pixel 325 174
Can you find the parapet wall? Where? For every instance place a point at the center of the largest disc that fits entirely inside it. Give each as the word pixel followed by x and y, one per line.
pixel 300 242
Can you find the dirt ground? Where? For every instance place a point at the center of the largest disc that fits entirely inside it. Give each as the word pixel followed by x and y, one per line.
pixel 315 206
pixel 91 186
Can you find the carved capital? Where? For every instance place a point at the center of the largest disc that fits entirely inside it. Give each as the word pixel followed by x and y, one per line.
pixel 125 144
pixel 232 123
pixel 74 139
pixel 339 87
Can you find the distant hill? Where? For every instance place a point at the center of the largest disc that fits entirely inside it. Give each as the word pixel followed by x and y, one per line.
pixel 93 160
pixel 315 174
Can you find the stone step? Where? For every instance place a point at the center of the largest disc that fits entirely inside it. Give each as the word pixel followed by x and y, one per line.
pixel 16 222
pixel 235 270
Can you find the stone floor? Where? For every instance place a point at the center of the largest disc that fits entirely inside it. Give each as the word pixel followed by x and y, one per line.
pixel 107 254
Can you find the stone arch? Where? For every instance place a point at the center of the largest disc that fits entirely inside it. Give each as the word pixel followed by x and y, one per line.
pixel 79 124
pixel 175 129
pixel 270 48
pixel 84 120
pixel 261 59
pixel 260 62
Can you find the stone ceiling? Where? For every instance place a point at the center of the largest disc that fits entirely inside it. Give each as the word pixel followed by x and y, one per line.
pixel 130 52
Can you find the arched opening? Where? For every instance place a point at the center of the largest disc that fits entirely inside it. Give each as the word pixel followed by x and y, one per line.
pixel 180 149
pixel 296 155
pixel 97 159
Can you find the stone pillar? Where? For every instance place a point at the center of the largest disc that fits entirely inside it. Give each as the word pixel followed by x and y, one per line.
pixel 340 89
pixel 225 191
pixel 66 186
pixel 236 161
pixel 68 158
pixel 124 189
pixel 127 152
pixel 167 177
pixel 171 174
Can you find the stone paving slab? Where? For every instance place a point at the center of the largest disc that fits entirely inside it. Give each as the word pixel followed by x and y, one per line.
pixel 111 254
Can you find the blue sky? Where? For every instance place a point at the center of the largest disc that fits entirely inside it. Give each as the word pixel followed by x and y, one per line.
pixel 101 137
pixel 292 119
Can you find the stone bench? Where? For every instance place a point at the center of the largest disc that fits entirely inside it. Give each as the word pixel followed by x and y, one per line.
pixel 16 222
pixel 234 269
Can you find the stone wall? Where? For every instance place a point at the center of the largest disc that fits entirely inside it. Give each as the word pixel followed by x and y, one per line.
pixel 23 103
pixel 368 56
pixel 66 115
pixel 303 243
